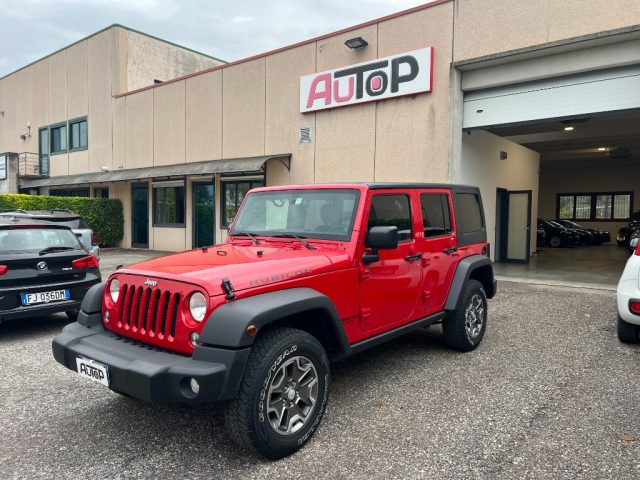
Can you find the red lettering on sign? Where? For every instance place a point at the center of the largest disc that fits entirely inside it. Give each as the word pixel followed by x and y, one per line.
pixel 336 90
pixel 315 94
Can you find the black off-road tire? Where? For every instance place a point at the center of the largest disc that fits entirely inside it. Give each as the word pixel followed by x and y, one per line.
pixel 72 315
pixel 454 327
pixel 246 416
pixel 628 332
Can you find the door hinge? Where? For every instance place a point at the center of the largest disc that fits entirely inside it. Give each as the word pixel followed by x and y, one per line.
pixel 365 274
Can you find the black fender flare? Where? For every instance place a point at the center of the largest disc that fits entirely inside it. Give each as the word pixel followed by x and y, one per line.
pixel 465 268
pixel 227 325
pixel 92 302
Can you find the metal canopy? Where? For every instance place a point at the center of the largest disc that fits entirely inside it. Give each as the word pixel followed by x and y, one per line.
pixel 235 165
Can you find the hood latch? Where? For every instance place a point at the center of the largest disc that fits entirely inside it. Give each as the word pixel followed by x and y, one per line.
pixel 228 289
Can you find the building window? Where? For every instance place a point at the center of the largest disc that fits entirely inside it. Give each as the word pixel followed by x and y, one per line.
pixel 604 206
pixel 101 192
pixel 78 134
pixel 69 192
pixel 58 134
pixel 392 211
pixel 233 193
pixel 168 204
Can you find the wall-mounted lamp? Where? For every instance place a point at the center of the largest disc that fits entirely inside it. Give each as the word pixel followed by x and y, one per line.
pixel 357 42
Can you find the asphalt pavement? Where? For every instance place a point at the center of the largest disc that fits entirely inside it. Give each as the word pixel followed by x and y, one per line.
pixel 550 393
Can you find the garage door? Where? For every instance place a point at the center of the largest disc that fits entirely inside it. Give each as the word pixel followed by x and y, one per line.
pixel 584 94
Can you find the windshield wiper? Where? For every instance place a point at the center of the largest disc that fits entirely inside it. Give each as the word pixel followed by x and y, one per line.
pixel 297 237
pixel 55 249
pixel 247 234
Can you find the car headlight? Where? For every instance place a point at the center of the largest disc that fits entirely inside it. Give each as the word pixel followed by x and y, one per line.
pixel 198 306
pixel 114 289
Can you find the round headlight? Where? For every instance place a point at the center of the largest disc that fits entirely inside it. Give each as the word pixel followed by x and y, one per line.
pixel 198 306
pixel 114 289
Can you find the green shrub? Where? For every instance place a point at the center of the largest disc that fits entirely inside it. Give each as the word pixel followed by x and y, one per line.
pixel 103 215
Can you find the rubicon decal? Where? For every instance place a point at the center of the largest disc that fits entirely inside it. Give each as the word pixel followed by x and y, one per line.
pixel 405 74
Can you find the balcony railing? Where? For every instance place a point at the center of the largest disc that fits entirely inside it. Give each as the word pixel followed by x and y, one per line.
pixel 33 165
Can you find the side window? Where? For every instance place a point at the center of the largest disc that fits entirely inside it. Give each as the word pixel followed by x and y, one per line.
pixel 468 213
pixel 392 210
pixel 435 214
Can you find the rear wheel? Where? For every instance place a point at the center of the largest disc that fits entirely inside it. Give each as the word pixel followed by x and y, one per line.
pixel 283 393
pixel 555 242
pixel 464 328
pixel 628 332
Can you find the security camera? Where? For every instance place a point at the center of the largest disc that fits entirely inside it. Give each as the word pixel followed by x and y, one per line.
pixel 23 136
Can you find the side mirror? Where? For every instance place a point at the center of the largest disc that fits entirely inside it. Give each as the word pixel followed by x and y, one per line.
pixel 634 243
pixel 385 238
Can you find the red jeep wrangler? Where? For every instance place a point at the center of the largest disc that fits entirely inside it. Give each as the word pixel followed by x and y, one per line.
pixel 308 275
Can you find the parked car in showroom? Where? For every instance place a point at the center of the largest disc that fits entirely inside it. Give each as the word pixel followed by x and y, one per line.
pixel 558 236
pixel 628 297
pixel 625 233
pixel 594 237
pixel 44 269
pixel 63 217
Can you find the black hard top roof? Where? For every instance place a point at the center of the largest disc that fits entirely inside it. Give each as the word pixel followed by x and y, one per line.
pixel 8 221
pixel 379 185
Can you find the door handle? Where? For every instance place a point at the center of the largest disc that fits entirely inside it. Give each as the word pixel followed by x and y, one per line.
pixel 450 250
pixel 411 258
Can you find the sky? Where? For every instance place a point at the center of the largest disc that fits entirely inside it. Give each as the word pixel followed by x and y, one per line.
pixel 226 29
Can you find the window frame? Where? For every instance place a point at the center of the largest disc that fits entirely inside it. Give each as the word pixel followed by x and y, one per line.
pixel 65 136
pixel 593 204
pixel 223 196
pixel 448 203
pixel 157 185
pixel 70 123
pixel 409 197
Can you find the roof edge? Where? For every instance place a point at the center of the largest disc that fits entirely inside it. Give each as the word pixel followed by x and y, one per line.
pixel 391 16
pixel 113 25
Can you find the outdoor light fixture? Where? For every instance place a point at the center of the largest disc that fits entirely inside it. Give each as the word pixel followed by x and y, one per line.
pixel 568 129
pixel 357 42
pixel 602 149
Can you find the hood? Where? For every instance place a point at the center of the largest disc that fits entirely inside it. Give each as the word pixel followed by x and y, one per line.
pixel 245 265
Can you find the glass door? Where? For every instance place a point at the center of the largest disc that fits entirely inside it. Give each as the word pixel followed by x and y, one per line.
pixel 203 214
pixel 140 215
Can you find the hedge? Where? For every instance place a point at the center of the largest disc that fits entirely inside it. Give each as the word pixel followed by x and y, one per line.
pixel 103 215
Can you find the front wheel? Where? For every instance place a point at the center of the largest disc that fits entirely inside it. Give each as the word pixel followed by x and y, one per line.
pixel 627 332
pixel 283 393
pixel 555 242
pixel 464 328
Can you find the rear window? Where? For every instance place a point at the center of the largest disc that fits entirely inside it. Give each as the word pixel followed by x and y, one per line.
pixel 75 223
pixel 36 239
pixel 435 214
pixel 468 213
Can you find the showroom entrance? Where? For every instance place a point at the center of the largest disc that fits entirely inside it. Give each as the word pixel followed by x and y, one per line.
pixel 558 161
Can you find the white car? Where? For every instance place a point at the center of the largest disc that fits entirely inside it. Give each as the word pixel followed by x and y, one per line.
pixel 628 294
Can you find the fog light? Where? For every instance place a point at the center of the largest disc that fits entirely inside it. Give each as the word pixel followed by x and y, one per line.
pixel 106 316
pixel 194 338
pixel 194 386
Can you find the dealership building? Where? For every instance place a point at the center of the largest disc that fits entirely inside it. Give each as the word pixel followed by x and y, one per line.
pixel 538 103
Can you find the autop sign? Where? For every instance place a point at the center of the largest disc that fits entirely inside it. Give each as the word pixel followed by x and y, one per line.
pixel 404 74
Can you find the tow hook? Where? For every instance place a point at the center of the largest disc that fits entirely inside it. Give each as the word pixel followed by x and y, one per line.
pixel 228 289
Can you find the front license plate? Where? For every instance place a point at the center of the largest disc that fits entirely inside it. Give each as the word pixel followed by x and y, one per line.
pixel 98 372
pixel 44 297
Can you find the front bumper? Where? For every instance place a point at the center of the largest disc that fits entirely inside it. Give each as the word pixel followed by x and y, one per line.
pixel 148 373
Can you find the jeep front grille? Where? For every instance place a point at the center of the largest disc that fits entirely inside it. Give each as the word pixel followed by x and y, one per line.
pixel 149 311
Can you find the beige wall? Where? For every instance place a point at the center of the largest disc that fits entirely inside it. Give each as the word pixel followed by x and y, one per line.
pixel 485 27
pixel 150 59
pixel 481 166
pixel 624 177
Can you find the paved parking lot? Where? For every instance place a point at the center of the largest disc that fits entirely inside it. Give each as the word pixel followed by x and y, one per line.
pixel 550 393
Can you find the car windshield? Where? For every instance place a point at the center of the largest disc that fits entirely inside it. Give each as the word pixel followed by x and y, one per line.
pixel 16 240
pixel 555 224
pixel 322 214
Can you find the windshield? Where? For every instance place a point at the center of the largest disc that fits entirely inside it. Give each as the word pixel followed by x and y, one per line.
pixel 322 214
pixel 36 239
